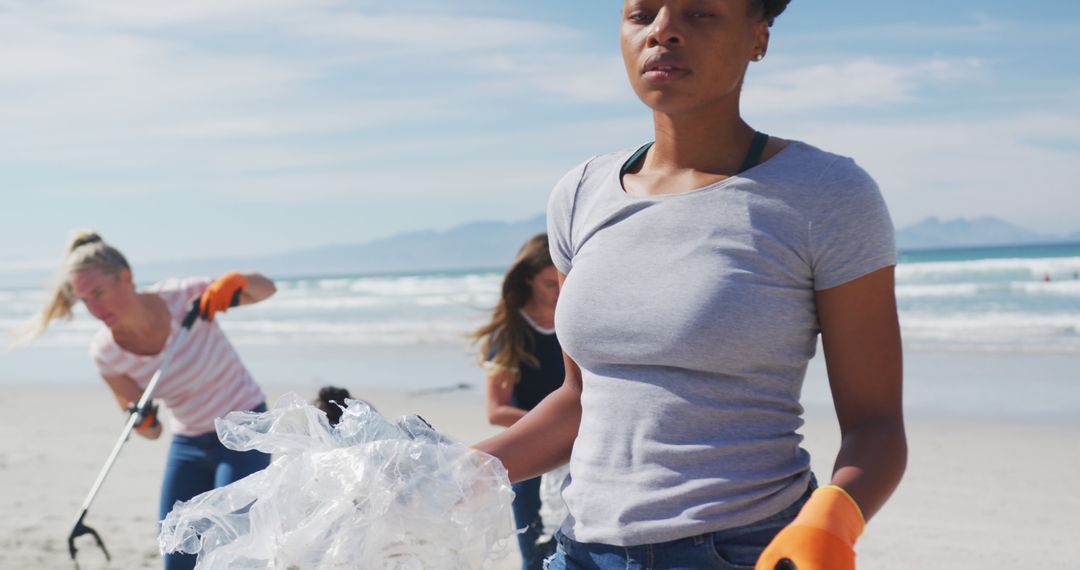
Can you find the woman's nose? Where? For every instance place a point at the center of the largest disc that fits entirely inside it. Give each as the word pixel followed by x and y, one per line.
pixel 664 30
pixel 93 307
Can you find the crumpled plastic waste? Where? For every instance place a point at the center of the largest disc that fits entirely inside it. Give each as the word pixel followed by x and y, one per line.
pixel 553 510
pixel 366 493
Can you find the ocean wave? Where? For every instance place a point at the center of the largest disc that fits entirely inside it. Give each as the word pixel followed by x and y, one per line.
pixel 949 290
pixel 295 303
pixel 990 319
pixel 399 285
pixel 24 302
pixel 419 286
pixel 331 328
pixel 271 332
pixel 1054 332
pixel 972 290
pixel 993 347
pixel 1068 288
pixel 78 326
pixel 1015 269
pixel 292 332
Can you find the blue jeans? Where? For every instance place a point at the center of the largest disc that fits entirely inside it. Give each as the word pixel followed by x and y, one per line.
pixel 527 515
pixel 731 549
pixel 198 464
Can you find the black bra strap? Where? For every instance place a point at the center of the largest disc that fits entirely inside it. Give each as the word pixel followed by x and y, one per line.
pixel 753 157
pixel 757 147
pixel 630 162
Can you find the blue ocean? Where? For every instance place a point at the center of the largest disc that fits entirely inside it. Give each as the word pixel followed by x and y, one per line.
pixel 1007 299
pixel 1012 299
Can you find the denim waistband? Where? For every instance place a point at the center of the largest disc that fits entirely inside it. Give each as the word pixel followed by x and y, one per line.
pixel 693 546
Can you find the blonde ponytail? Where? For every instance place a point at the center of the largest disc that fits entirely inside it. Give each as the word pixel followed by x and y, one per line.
pixel 85 250
pixel 82 238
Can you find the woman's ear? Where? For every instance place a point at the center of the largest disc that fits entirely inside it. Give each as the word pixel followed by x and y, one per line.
pixel 126 278
pixel 761 40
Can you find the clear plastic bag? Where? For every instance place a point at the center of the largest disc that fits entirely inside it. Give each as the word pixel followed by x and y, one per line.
pixel 553 510
pixel 366 493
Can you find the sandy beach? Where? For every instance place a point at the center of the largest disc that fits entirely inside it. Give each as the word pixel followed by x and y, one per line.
pixel 984 489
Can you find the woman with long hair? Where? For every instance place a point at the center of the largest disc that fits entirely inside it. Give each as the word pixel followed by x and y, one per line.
pixel 205 379
pixel 524 364
pixel 698 271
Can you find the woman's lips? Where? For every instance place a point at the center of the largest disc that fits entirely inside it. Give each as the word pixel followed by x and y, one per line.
pixel 661 69
pixel 665 74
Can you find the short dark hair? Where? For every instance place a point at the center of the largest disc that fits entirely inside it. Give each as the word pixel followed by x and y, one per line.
pixel 770 9
pixel 331 399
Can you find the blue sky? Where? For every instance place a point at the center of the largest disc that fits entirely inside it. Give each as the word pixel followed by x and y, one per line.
pixel 190 129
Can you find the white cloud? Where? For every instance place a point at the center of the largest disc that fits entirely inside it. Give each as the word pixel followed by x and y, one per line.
pixel 965 168
pixel 121 83
pixel 577 76
pixel 135 15
pixel 432 33
pixel 422 26
pixel 362 172
pixel 792 87
pixel 967 31
pixel 72 95
pixel 963 28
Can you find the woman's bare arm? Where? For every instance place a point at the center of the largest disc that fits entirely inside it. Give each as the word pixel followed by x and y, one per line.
pixel 500 392
pixel 542 440
pixel 259 288
pixel 127 392
pixel 861 339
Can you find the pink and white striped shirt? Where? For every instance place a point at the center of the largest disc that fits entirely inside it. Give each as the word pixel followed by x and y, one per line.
pixel 205 379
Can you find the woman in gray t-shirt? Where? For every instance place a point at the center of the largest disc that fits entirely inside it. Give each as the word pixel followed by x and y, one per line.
pixel 698 272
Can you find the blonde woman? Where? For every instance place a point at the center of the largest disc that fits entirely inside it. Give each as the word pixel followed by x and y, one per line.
pixel 524 364
pixel 698 272
pixel 205 380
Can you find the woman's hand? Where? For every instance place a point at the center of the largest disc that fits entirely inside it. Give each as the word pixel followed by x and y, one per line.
pixel 147 425
pixel 219 296
pixel 822 537
pixel 150 432
pixel 244 288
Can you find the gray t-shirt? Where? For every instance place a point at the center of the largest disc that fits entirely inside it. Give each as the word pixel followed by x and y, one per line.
pixel 692 317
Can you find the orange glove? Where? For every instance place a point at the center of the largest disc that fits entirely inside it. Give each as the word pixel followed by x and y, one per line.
pixel 219 296
pixel 145 422
pixel 822 537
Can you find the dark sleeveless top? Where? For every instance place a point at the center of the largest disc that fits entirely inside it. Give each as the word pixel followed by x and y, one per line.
pixel 534 383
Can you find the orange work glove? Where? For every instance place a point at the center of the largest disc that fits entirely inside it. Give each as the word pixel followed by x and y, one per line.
pixel 147 421
pixel 219 296
pixel 822 537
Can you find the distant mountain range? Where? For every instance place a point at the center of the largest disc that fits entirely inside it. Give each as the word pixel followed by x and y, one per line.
pixel 477 245
pixel 481 245
pixel 492 245
pixel 933 233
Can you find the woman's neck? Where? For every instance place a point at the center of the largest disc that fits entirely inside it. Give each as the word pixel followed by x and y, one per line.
pixel 542 315
pixel 142 320
pixel 702 142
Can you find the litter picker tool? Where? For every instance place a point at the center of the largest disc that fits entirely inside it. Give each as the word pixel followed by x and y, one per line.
pixel 141 411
